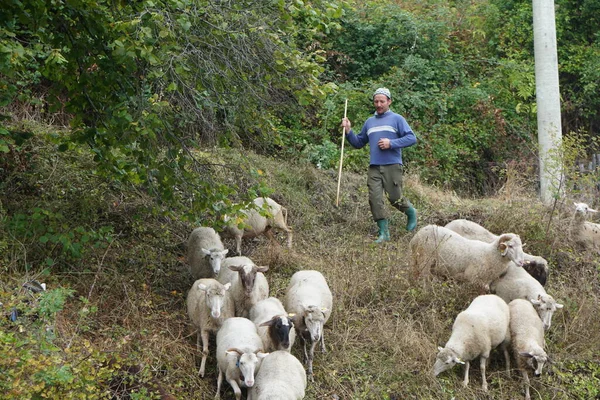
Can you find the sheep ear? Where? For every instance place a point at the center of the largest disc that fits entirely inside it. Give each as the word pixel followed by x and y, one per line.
pixel 262 269
pixel 227 285
pixel 440 348
pixel 324 309
pixel 291 315
pixel 503 248
pixel 268 323
pixel 526 354
pixel 234 351
pixel 535 302
pixel 592 210
pixel 459 361
pixel 559 306
pixel 261 355
pixel 225 251
pixel 202 286
pixel 206 252
pixel 236 268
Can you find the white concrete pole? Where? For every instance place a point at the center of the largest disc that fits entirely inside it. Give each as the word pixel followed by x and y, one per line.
pixel 548 100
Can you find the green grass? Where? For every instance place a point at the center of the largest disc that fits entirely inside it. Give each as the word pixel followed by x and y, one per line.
pixel 113 322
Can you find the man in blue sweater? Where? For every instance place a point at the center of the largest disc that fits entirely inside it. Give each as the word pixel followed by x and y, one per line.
pixel 387 133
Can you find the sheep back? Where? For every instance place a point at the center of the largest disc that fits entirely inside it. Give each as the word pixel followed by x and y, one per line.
pixel 248 283
pixel 198 304
pixel 205 252
pixel 281 377
pixel 308 288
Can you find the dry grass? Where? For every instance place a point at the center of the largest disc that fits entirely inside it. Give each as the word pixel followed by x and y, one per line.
pixel 384 331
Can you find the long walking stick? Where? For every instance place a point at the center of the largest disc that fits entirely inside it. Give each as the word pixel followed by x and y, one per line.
pixel 337 199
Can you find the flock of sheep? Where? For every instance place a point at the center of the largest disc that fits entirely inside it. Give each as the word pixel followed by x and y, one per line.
pixel 518 311
pixel 254 332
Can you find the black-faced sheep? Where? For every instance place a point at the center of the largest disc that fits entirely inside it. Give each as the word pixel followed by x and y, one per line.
pixel 274 326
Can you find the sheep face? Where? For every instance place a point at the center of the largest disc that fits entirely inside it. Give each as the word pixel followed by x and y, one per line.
pixel 314 319
pixel 535 360
pixel 247 363
pixel 215 298
pixel 510 246
pixel 545 306
pixel 583 208
pixel 445 359
pixel 248 275
pixel 214 258
pixel 279 330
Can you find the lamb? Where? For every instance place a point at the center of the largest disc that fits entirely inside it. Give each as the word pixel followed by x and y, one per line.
pixel 281 377
pixel 584 232
pixel 256 224
pixel 483 326
pixel 248 283
pixel 518 284
pixel 309 298
pixel 205 252
pixel 536 266
pixel 204 296
pixel 239 353
pixel 274 326
pixel 527 339
pixel 464 259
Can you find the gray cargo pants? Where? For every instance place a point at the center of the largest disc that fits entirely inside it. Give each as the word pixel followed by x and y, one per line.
pixel 388 178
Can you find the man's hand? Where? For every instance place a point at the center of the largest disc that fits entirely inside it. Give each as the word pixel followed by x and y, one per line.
pixel 346 124
pixel 384 144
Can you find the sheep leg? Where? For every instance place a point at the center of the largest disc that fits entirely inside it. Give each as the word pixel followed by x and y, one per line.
pixel 204 352
pixel 506 358
pixel 238 245
pixel 466 380
pixel 236 388
pixel 526 379
pixel 482 363
pixel 323 350
pixel 304 345
pixel 219 381
pixel 310 360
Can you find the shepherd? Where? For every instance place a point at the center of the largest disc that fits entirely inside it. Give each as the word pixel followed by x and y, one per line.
pixel 387 133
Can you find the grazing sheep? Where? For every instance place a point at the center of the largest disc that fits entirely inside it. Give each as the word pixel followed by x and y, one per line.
pixel 536 266
pixel 584 232
pixel 274 326
pixel 309 298
pixel 281 377
pixel 248 283
pixel 477 330
pixel 256 224
pixel 209 303
pixel 518 284
pixel 205 252
pixel 528 341
pixel 464 259
pixel 239 353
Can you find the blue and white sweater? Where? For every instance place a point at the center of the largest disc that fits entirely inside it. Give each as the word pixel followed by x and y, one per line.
pixel 387 125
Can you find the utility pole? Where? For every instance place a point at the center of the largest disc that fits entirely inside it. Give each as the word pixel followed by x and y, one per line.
pixel 548 100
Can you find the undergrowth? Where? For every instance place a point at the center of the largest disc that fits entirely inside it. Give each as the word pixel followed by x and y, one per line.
pixel 112 322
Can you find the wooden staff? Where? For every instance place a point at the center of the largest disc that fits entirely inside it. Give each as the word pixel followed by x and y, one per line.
pixel 337 199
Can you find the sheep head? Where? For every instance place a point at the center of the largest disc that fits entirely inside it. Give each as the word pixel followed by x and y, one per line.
pixel 536 359
pixel 215 297
pixel 510 246
pixel 248 363
pixel 215 257
pixel 545 306
pixel 247 273
pixel 279 330
pixel 314 319
pixel 445 359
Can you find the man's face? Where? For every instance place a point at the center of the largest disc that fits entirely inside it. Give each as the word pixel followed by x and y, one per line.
pixel 381 103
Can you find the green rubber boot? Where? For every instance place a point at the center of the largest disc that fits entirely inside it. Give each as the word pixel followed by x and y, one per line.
pixel 411 220
pixel 384 232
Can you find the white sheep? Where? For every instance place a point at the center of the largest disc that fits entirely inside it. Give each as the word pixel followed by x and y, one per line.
pixel 281 377
pixel 518 284
pixel 584 232
pixel 239 353
pixel 454 256
pixel 248 283
pixel 274 326
pixel 255 224
pixel 209 303
pixel 205 252
pixel 483 326
pixel 309 298
pixel 528 342
pixel 535 265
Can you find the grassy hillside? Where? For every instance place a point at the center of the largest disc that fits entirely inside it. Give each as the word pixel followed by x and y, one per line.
pixel 112 323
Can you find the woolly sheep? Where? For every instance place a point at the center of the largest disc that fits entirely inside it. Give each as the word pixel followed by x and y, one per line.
pixel 483 326
pixel 584 232
pixel 248 283
pixel 209 303
pixel 239 353
pixel 464 259
pixel 518 284
pixel 309 298
pixel 256 224
pixel 205 252
pixel 536 266
pixel 274 326
pixel 281 377
pixel 527 339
